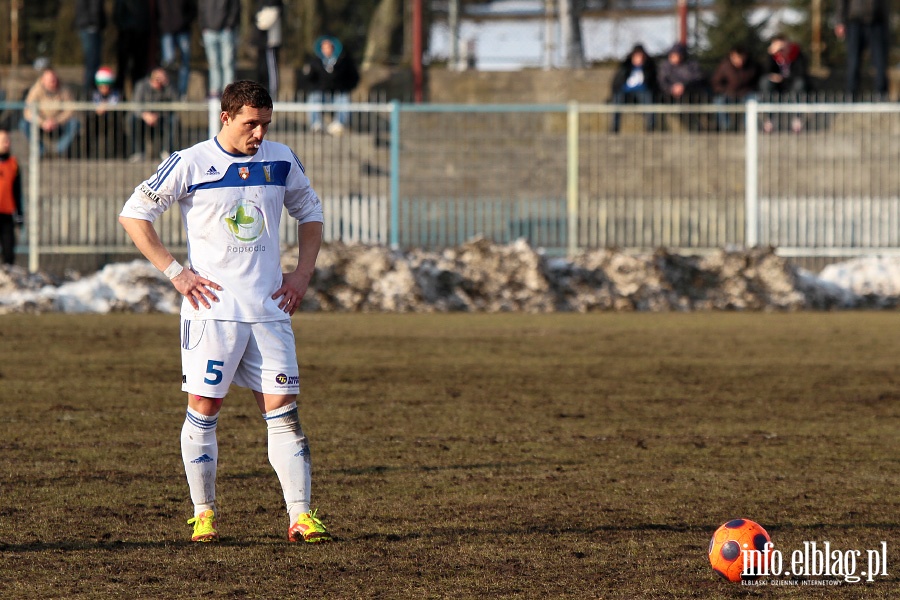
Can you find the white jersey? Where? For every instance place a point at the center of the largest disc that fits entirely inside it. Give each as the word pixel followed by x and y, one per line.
pixel 231 207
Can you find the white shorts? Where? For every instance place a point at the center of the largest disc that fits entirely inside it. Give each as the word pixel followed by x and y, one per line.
pixel 259 356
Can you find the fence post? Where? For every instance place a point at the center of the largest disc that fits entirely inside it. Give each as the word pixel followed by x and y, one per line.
pixel 572 178
pixel 395 174
pixel 751 186
pixel 34 189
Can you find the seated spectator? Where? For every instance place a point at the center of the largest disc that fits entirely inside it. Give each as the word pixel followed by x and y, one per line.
pixel 104 127
pixel 635 82
pixel 681 80
pixel 331 75
pixel 787 77
pixel 734 81
pixel 56 123
pixel 158 125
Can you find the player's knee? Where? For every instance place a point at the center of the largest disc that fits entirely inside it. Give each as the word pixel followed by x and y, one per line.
pixel 205 406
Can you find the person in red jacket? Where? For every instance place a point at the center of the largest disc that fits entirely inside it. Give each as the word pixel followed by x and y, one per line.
pixel 10 199
pixel 786 79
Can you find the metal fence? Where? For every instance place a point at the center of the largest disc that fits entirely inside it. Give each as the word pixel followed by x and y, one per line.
pixel 811 179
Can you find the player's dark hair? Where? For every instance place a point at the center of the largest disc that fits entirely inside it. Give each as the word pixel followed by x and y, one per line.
pixel 244 93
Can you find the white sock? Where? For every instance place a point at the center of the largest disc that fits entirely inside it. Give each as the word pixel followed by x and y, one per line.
pixel 289 456
pixel 200 453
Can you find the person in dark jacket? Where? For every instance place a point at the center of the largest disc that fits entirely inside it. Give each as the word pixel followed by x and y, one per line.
pixel 785 79
pixel 268 43
pixel 680 77
pixel 864 24
pixel 735 80
pixel 219 23
pixel 132 21
pixel 682 81
pixel 90 20
pixel 635 82
pixel 331 75
pixel 175 20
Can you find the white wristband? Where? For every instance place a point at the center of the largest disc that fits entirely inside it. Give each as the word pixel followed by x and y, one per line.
pixel 173 270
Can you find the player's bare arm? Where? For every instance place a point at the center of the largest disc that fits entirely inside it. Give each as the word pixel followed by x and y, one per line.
pixel 198 290
pixel 295 283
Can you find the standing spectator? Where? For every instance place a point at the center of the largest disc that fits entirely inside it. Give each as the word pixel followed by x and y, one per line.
pixel 268 43
pixel 57 123
pixel 90 19
pixel 786 77
pixel 635 82
pixel 864 24
pixel 734 80
pixel 104 127
pixel 175 20
pixel 10 199
pixel 132 20
pixel 219 23
pixel 159 125
pixel 332 75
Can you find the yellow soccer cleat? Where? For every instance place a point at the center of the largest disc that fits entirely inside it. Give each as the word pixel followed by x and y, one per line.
pixel 308 528
pixel 204 527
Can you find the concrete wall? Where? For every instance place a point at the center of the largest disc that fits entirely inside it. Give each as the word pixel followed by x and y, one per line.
pixel 531 86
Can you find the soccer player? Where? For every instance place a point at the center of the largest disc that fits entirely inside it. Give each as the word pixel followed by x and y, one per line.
pixel 237 306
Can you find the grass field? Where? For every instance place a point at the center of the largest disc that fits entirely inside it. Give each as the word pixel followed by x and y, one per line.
pixel 458 456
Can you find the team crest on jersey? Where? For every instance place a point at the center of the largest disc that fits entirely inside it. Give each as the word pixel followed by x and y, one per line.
pixel 244 172
pixel 267 171
pixel 245 221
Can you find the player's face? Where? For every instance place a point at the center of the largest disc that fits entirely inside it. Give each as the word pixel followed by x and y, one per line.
pixel 244 133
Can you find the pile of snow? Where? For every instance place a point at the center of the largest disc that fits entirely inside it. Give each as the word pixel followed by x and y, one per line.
pixel 483 277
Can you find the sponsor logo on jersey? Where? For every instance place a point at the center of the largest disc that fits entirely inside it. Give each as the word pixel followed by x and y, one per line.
pixel 244 172
pixel 245 222
pixel 282 379
pixel 150 194
pixel 212 171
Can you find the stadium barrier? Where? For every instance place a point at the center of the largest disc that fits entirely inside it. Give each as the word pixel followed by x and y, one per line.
pixel 432 176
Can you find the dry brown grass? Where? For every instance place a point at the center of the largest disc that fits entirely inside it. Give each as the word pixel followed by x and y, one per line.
pixel 463 456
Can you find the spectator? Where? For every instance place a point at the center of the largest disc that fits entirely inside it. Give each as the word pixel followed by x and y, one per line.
pixel 10 199
pixel 55 121
pixel 158 125
pixel 332 75
pixel 864 24
pixel 635 81
pixel 786 78
pixel 104 127
pixel 90 20
pixel 268 43
pixel 681 81
pixel 680 77
pixel 219 23
pixel 734 81
pixel 175 20
pixel 132 20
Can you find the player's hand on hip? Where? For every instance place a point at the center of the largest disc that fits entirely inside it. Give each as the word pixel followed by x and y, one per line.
pixel 293 289
pixel 198 290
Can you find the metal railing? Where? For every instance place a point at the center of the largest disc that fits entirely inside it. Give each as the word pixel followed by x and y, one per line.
pixel 432 176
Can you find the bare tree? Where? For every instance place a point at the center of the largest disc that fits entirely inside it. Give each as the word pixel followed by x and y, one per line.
pixel 387 21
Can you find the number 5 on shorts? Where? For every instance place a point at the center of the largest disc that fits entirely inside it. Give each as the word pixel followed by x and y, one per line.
pixel 214 372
